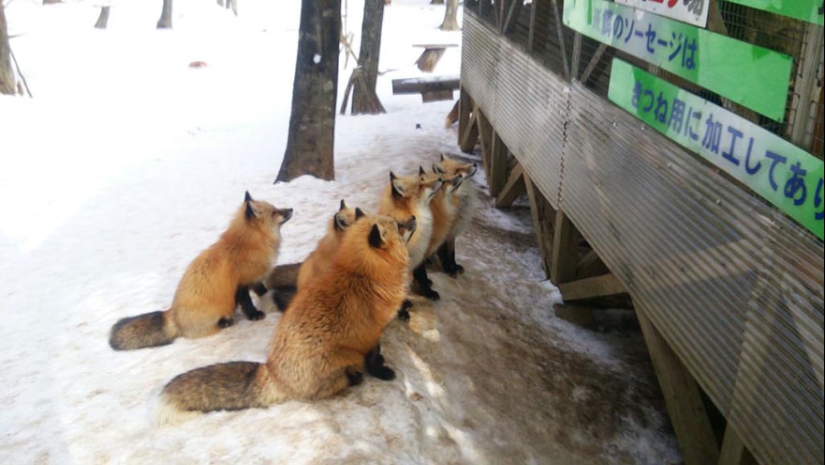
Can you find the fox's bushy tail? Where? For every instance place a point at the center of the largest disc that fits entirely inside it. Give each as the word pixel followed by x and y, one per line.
pixel 148 330
pixel 225 386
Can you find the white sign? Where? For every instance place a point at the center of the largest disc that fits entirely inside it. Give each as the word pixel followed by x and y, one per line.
pixel 688 11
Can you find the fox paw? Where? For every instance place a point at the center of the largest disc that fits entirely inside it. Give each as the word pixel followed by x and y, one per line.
pixel 458 269
pixel 431 294
pixel 404 314
pixel 225 322
pixel 256 315
pixel 383 372
pixel 355 377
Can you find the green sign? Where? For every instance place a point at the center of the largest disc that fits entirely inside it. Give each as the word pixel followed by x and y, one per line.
pixel 752 76
pixel 806 10
pixel 782 173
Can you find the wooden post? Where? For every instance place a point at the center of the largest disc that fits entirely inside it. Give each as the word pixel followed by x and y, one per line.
pixel 469 137
pixel 560 31
pixel 806 90
pixel 464 109
pixel 498 165
pixel 591 288
pixel 591 265
pixel 539 21
pixel 544 216
pixel 682 397
pixel 565 250
pixel 485 134
pixel 734 451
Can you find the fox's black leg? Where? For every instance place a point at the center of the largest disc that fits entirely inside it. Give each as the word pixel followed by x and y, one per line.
pixel 404 311
pixel 259 289
pixel 424 286
pixel 243 299
pixel 226 322
pixel 355 377
pixel 446 264
pixel 374 363
pixel 282 296
pixel 455 268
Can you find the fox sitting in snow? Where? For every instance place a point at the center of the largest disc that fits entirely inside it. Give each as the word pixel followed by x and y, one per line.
pixel 285 280
pixel 465 198
pixel 323 344
pixel 214 284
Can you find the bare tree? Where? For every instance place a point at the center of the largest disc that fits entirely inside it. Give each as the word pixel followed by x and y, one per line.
pixel 165 20
pixel 103 19
pixel 450 22
pixel 364 98
pixel 6 74
pixel 310 144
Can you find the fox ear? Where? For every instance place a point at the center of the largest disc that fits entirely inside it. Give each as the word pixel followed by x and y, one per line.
pixel 250 211
pixel 359 214
pixel 437 169
pixel 397 189
pixel 343 205
pixel 247 197
pixel 340 221
pixel 375 236
pixel 421 171
pixel 442 157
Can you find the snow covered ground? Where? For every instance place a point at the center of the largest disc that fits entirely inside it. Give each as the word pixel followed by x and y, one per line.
pixel 127 163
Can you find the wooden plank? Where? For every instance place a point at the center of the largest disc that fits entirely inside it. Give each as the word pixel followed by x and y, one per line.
pixel 485 135
pixel 565 250
pixel 591 265
pixel 537 37
pixel 464 110
pixel 544 216
pixel 807 87
pixel 470 135
pixel 591 288
pixel 418 85
pixel 435 45
pixel 682 397
pixel 577 53
pixel 733 450
pixel 593 62
pixel 560 31
pixel 512 189
pixel 498 165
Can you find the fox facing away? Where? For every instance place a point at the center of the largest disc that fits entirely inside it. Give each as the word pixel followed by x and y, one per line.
pixel 324 342
pixel 214 284
pixel 466 205
pixel 285 280
pixel 407 196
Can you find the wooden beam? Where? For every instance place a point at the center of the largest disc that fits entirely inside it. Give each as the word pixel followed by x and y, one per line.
pixel 512 189
pixel 485 135
pixel 560 31
pixel 682 397
pixel 465 107
pixel 591 265
pixel 577 53
pixel 537 37
pixel 591 288
pixel 544 216
pixel 498 165
pixel 807 87
pixel 733 450
pixel 513 14
pixel 470 135
pixel 593 62
pixel 565 250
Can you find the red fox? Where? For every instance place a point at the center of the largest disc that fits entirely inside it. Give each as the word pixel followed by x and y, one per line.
pixel 319 259
pixel 466 205
pixel 444 207
pixel 285 280
pixel 214 284
pixel 407 196
pixel 324 343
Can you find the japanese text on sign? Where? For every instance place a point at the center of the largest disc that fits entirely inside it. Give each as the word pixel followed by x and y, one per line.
pixel 689 11
pixel 752 76
pixel 783 174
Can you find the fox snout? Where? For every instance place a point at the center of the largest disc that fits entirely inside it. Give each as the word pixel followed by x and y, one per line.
pixel 407 228
pixel 286 214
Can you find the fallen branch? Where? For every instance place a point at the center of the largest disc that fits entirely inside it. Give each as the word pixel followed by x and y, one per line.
pixel 20 73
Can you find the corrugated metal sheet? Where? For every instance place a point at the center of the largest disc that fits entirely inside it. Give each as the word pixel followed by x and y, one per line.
pixel 531 113
pixel 734 286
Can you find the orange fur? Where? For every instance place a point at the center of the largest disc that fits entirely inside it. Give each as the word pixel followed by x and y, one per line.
pixel 319 259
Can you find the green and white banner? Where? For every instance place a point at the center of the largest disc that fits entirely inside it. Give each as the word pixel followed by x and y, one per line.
pixel 752 76
pixel 785 175
pixel 806 10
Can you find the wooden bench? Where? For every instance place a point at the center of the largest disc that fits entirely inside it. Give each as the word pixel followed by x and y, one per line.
pixel 431 89
pixel 431 55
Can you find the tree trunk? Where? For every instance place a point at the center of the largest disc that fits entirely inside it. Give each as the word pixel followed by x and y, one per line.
pixel 437 2
pixel 103 19
pixel 310 144
pixel 364 97
pixel 6 75
pixel 165 21
pixel 451 16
